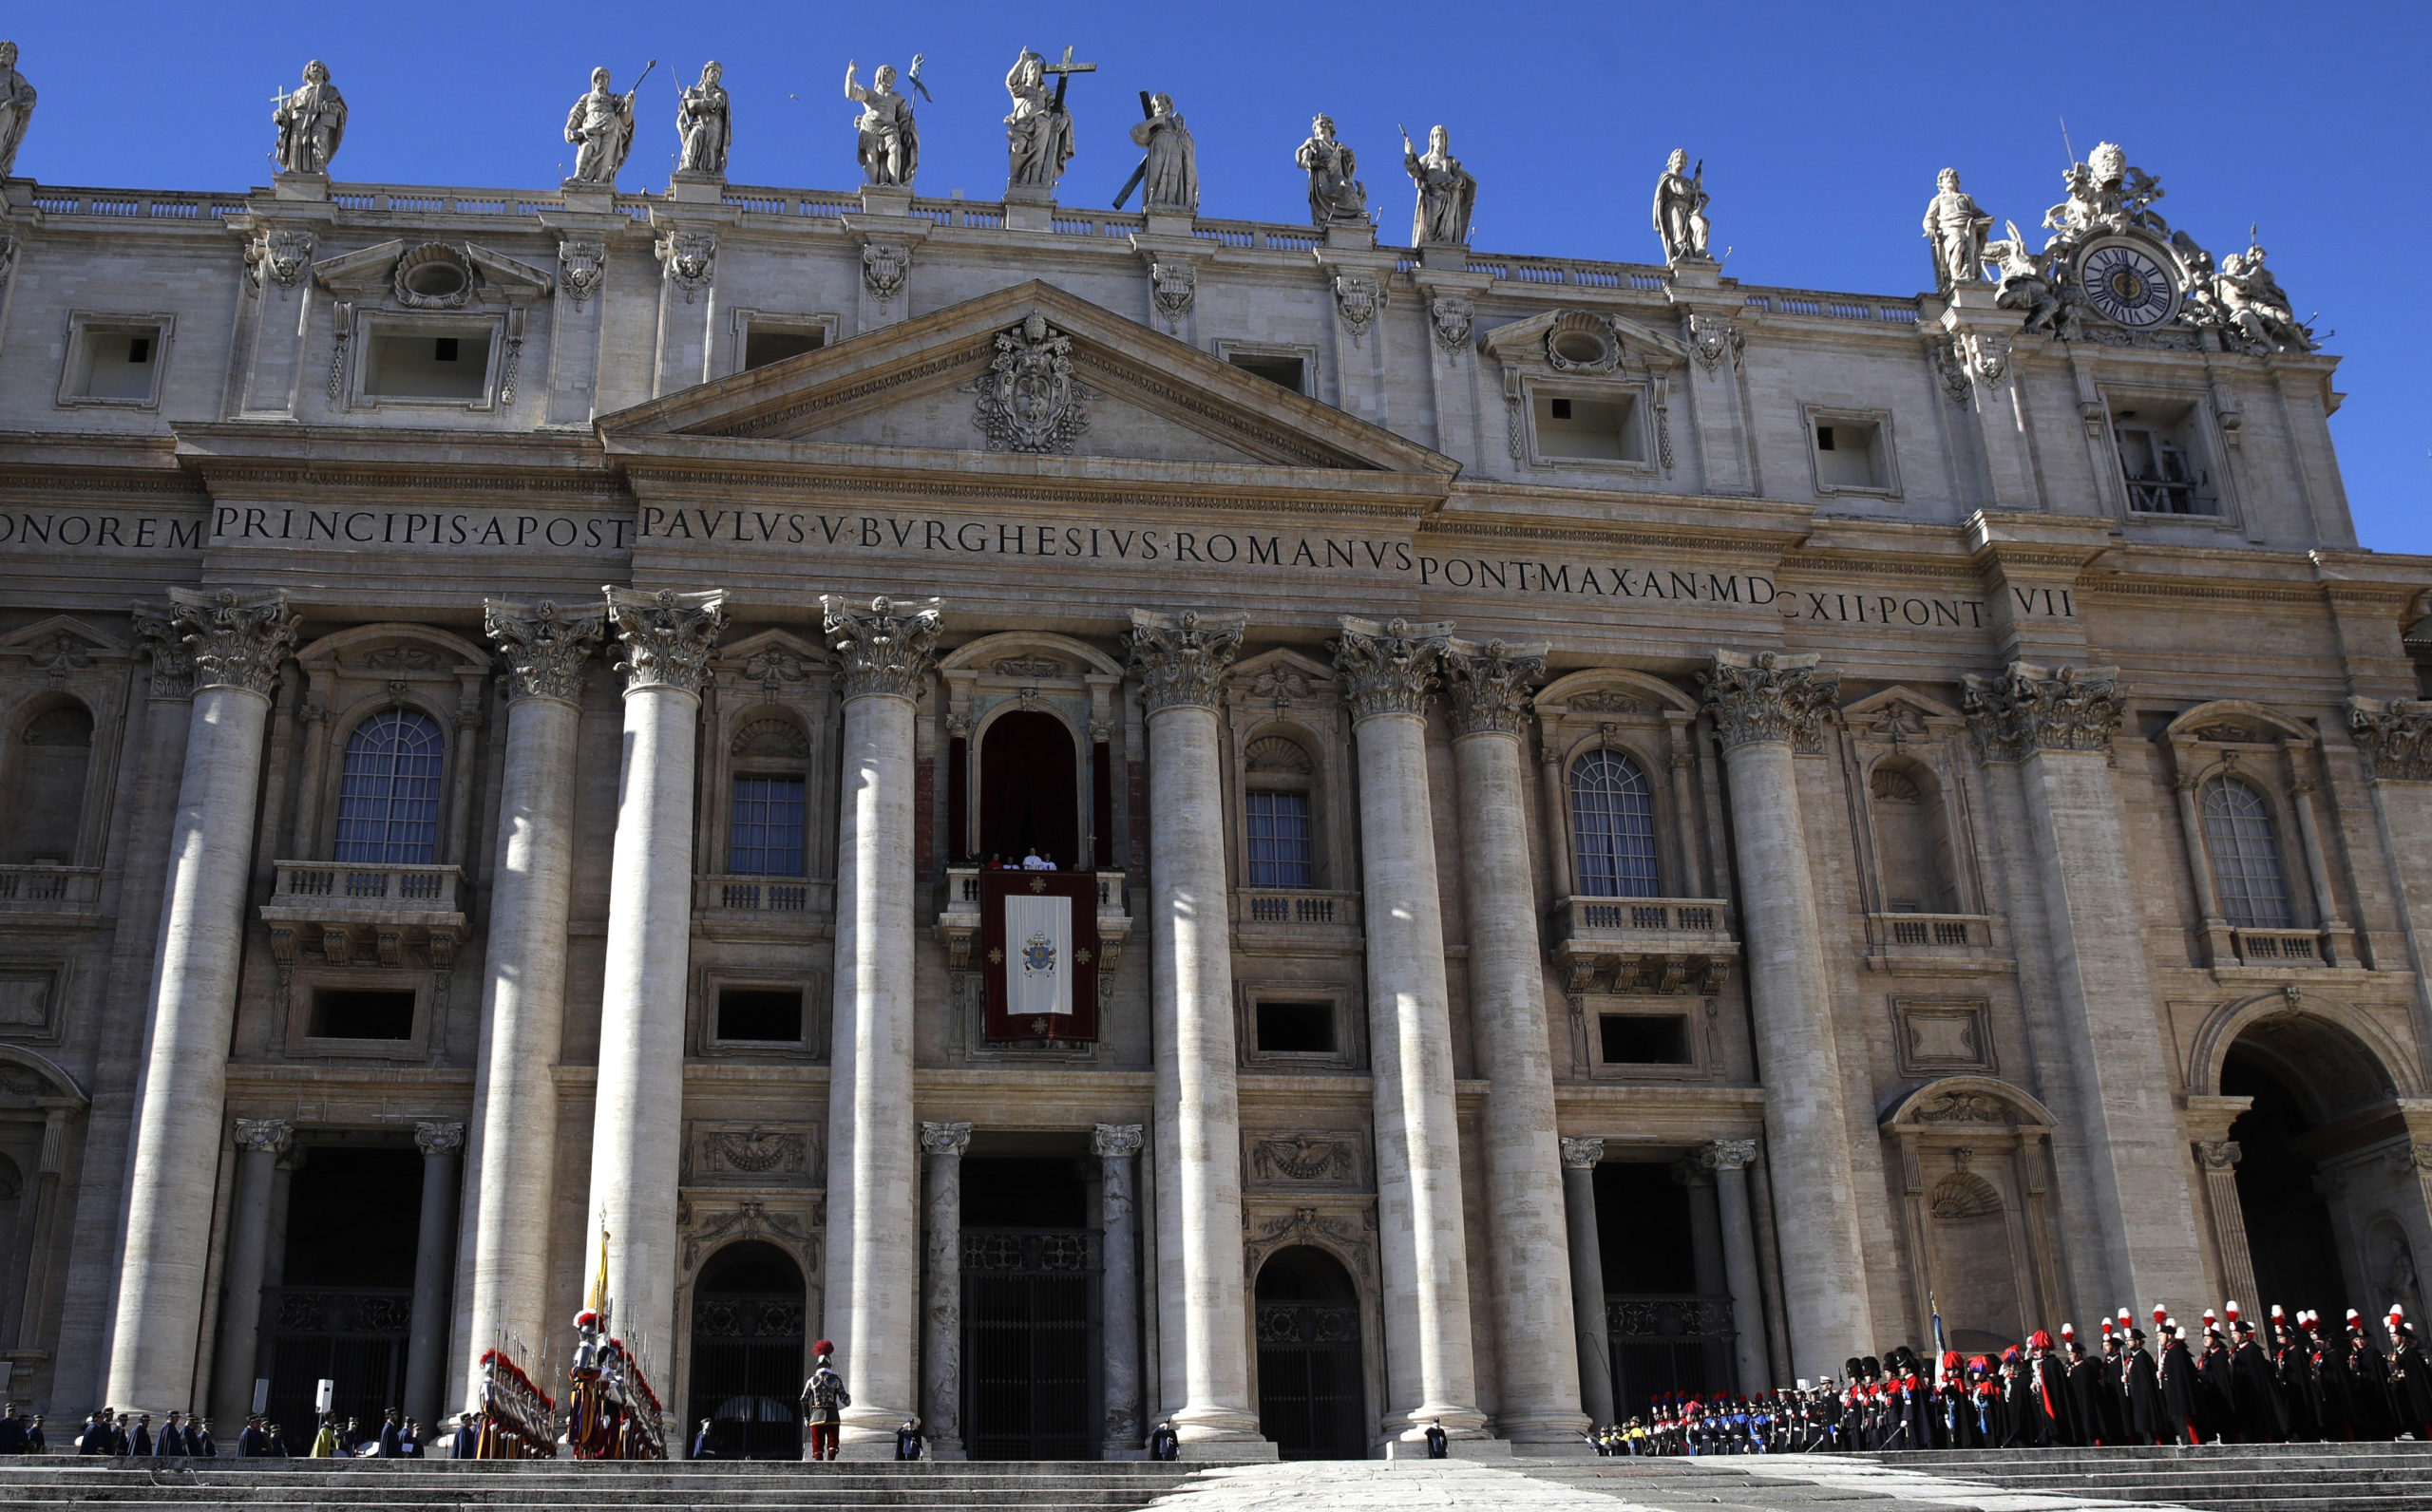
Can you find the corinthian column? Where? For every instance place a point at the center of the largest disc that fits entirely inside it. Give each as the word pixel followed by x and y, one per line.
pixel 942 1288
pixel 1114 1144
pixel 1762 707
pixel 442 1152
pixel 1180 661
pixel 1729 1160
pixel 666 639
pixel 513 1142
pixel 237 646
pixel 259 1143
pixel 873 1174
pixel 1432 1375
pixel 1591 1338
pixel 1537 1359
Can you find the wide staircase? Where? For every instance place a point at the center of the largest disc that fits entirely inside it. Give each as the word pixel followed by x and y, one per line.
pixel 2219 1477
pixel 428 1486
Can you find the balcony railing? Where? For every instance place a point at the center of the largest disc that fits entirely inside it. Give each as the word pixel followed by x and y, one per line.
pixel 762 894
pixel 1295 908
pixel 323 886
pixel 1644 944
pixel 51 889
pixel 962 890
pixel 1930 932
pixel 959 926
pixel 2281 946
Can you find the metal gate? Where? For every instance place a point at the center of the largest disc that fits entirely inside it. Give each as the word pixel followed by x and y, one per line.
pixel 1029 1349
pixel 748 1373
pixel 1310 1398
pixel 354 1337
pixel 1669 1343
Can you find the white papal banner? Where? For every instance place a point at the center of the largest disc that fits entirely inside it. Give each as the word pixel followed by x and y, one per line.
pixel 1038 956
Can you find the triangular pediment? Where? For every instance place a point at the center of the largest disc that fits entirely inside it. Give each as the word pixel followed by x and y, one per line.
pixel 1032 370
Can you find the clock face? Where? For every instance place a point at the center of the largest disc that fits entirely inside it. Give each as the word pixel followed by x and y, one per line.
pixel 2127 284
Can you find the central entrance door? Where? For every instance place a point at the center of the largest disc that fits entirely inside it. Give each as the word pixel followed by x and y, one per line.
pixel 1030 789
pixel 1311 1400
pixel 1030 1312
pixel 344 1309
pixel 748 1318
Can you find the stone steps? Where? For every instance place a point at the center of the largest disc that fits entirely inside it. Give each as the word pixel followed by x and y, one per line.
pixel 2245 1477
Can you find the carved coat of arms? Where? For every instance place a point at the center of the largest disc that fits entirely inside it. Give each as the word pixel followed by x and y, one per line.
pixel 1039 954
pixel 581 260
pixel 280 257
pixel 884 265
pixel 687 256
pixel 1029 398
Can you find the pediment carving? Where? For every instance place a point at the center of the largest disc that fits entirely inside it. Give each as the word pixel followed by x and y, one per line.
pixel 1580 341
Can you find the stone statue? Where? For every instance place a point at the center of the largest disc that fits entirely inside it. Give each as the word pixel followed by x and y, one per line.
pixel 891 143
pixel 310 122
pixel 705 124
pixel 1679 210
pixel 2025 283
pixel 2105 194
pixel 1447 194
pixel 1039 135
pixel 16 108
pixel 1171 175
pixel 2250 299
pixel 1957 229
pixel 600 125
pixel 1336 199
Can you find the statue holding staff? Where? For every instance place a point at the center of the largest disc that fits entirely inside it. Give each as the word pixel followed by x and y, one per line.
pixel 310 122
pixel 600 125
pixel 889 147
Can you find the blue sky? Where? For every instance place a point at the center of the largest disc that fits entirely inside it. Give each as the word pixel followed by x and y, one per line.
pixel 1821 127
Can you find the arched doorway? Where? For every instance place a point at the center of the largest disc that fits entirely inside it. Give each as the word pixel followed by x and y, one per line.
pixel 748 1318
pixel 2307 1076
pixel 1028 790
pixel 1311 1400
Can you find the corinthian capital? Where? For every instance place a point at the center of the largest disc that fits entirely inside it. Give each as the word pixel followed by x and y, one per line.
pixel 435 1137
pixel 172 660
pixel 1582 1153
pixel 944 1138
pixel 544 646
pixel 1728 1155
pixel 2218 1155
pixel 268 1136
pixel 1389 669
pixel 1769 696
pixel 233 641
pixel 1490 685
pixel 667 637
pixel 1183 658
pixel 1115 1139
pixel 2395 736
pixel 2030 708
pixel 885 646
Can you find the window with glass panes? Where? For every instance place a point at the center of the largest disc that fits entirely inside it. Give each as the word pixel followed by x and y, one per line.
pixel 766 837
pixel 1612 823
pixel 389 793
pixel 2246 856
pixel 1281 852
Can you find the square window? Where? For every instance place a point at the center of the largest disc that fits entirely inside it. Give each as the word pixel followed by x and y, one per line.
pixel 1287 372
pixel 1295 1028
pixel 115 363
pixel 2158 461
pixel 762 1015
pixel 1596 429
pixel 418 365
pixel 1846 455
pixel 362 1013
pixel 763 345
pixel 1646 1039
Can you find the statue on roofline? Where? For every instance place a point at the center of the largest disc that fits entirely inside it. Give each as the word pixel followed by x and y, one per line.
pixel 1679 210
pixel 310 122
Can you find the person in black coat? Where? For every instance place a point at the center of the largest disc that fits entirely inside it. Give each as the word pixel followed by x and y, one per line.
pixel 2179 1388
pixel 2048 1387
pixel 251 1442
pixel 2299 1408
pixel 2410 1379
pixel 2141 1390
pixel 1438 1446
pixel 170 1442
pixel 1164 1443
pixel 907 1440
pixel 2368 1382
pixel 198 1440
pixel 390 1435
pixel 2255 1391
pixel 96 1438
pixel 704 1446
pixel 35 1442
pixel 12 1432
pixel 2216 1416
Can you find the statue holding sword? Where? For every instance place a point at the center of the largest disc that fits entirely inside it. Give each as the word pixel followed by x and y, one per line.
pixel 600 125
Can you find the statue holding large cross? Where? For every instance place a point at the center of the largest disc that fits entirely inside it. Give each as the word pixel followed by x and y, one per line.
pixel 1039 135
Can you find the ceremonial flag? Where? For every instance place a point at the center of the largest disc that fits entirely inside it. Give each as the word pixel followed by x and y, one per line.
pixel 1038 951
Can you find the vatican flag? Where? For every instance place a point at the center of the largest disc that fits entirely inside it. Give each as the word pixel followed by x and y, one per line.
pixel 1038 956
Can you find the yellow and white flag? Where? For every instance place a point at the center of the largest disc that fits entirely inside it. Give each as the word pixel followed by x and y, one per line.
pixel 1038 956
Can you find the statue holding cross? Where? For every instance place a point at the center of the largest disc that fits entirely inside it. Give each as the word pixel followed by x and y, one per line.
pixel 1039 135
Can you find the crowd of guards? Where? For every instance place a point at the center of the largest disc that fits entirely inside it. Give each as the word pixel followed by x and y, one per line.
pixel 2293 1381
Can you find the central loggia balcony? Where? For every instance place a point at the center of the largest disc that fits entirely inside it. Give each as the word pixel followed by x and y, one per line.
pixel 1640 945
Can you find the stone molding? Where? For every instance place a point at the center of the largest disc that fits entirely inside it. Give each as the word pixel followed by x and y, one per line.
pixel 1728 1155
pixel 1388 668
pixel 233 641
pixel 1491 685
pixel 1113 1141
pixel 2030 708
pixel 267 1136
pixel 946 1139
pixel 667 637
pixel 2395 736
pixel 435 1137
pixel 2218 1155
pixel 1181 659
pixel 2410 1157
pixel 887 647
pixel 172 661
pixel 1583 1152
pixel 545 647
pixel 1770 696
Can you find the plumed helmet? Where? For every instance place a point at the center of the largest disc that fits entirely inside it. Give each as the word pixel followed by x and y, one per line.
pixel 822 1348
pixel 586 1319
pixel 2040 1340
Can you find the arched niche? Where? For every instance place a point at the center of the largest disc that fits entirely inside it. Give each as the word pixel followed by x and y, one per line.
pixel 349 677
pixel 1653 723
pixel 42 1112
pixel 1973 1170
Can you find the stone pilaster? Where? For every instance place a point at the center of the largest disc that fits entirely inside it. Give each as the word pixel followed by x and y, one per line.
pixel 941 1145
pixel 236 645
pixel 2395 736
pixel 1488 687
pixel 885 648
pixel 259 1143
pixel 1765 707
pixel 1180 661
pixel 1592 1340
pixel 664 643
pixel 1115 1146
pixel 443 1153
pixel 2217 1162
pixel 1729 1160
pixel 511 1153
pixel 1388 672
pixel 2055 725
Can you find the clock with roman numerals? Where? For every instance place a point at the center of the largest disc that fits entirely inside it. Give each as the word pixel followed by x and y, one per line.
pixel 2127 284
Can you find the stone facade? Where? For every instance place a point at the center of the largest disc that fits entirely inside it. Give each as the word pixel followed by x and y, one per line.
pixel 1907 765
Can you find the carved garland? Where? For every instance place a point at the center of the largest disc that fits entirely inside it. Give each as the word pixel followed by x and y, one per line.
pixel 2396 738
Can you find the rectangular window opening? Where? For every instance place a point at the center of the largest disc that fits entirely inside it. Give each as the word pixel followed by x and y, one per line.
pixel 362 1013
pixel 116 362
pixel 763 345
pixel 1599 429
pixel 409 365
pixel 2159 466
pixel 1280 852
pixel 1646 1039
pixel 760 1015
pixel 1287 372
pixel 1848 455
pixel 1296 1029
pixel 766 837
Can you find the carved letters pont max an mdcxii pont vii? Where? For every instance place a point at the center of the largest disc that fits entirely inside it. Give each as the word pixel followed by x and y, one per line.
pixel 835 763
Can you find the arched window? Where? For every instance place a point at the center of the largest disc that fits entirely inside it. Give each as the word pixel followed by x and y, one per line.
pixel 45 797
pixel 389 799
pixel 1278 779
pixel 766 822
pixel 1612 825
pixel 2246 856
